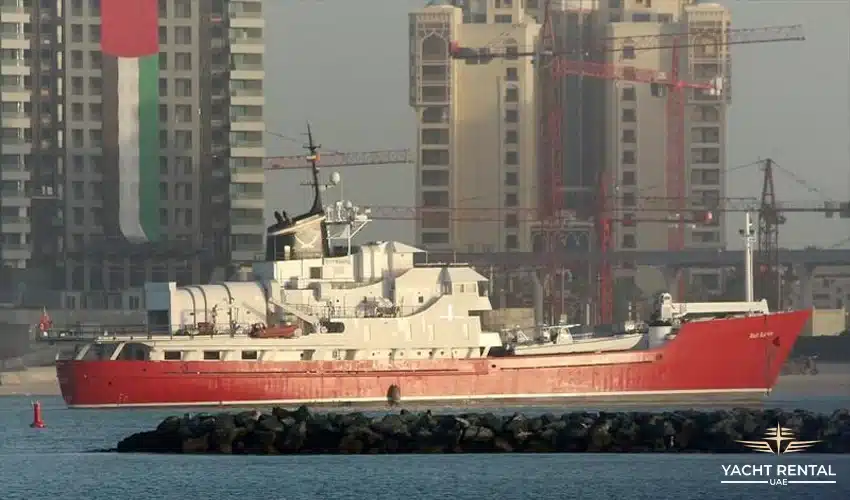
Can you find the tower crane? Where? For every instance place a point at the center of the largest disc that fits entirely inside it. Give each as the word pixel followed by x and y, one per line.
pixel 555 65
pixel 337 159
pixel 667 210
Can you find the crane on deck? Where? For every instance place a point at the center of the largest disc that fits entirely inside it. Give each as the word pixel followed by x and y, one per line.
pixel 556 63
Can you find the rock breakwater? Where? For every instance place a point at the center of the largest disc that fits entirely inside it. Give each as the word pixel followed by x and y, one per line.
pixel 285 431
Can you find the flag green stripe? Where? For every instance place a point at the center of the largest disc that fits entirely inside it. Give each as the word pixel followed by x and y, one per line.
pixel 149 201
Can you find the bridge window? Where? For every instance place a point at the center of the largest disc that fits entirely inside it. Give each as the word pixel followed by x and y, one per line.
pixel 334 327
pixel 212 355
pixel 249 355
pixel 173 355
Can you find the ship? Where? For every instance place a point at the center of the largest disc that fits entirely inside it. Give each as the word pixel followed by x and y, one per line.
pixel 323 321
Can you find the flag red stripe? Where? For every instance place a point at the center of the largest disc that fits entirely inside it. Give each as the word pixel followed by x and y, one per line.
pixel 129 28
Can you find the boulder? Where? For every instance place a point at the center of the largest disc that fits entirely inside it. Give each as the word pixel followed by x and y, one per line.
pixel 302 431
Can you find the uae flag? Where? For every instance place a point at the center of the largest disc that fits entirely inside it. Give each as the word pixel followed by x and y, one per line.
pixel 130 45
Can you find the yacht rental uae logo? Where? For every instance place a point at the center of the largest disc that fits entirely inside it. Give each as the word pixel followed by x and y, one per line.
pixel 778 440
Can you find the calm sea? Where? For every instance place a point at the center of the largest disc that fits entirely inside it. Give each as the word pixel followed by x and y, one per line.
pixel 54 463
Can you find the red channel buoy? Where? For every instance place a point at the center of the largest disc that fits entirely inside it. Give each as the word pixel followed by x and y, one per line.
pixel 37 422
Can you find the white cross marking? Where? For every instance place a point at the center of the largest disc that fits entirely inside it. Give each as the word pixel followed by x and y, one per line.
pixel 449 315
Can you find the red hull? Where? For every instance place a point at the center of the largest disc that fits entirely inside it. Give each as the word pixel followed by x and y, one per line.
pixel 729 356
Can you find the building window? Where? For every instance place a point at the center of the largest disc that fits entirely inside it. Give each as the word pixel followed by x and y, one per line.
pixel 435 199
pixel 183 87
pixel 435 114
pixel 511 200
pixel 511 221
pixel 629 241
pixel 628 52
pixel 629 136
pixel 94 33
pixel 439 157
pixel 435 136
pixel 77 59
pixel 512 74
pixel 629 115
pixel 503 19
pixel 435 177
pixel 629 200
pixel 512 94
pixel 511 116
pixel 183 35
pixel 511 242
pixel 511 137
pixel 629 178
pixel 433 238
pixel 511 158
pixel 183 9
pixel 629 158
pixel 706 236
pixel 435 220
pixel 183 61
pixel 435 93
pixel 709 135
pixel 511 179
pixel 705 155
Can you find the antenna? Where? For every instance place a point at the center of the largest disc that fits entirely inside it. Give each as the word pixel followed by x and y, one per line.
pixel 313 158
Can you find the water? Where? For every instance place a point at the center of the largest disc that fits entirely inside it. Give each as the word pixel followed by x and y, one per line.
pixel 53 462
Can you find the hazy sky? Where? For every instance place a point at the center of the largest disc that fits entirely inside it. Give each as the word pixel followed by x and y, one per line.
pixel 342 65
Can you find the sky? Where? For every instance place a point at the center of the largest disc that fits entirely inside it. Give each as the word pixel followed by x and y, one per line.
pixel 343 65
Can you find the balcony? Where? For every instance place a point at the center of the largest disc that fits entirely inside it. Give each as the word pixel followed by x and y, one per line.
pixel 246 92
pixel 15 14
pixel 15 119
pixel 248 175
pixel 13 141
pixel 247 225
pixel 12 251
pixel 15 173
pixel 247 149
pixel 247 20
pixel 246 195
pixel 247 71
pixel 15 67
pixel 15 225
pixel 244 14
pixel 247 46
pixel 21 41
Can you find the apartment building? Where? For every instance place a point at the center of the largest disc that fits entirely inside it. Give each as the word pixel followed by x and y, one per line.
pixel 636 137
pixel 142 140
pixel 15 147
pixel 476 127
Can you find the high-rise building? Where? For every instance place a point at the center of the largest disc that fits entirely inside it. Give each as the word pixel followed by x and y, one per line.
pixel 636 133
pixel 133 141
pixel 18 99
pixel 476 127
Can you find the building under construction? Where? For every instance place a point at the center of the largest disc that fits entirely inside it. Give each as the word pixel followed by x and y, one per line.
pixel 600 139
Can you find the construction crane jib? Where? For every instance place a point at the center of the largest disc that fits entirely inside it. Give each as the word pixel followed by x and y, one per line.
pixel 351 159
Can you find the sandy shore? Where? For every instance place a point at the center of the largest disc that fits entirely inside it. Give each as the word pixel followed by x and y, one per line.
pixel 40 381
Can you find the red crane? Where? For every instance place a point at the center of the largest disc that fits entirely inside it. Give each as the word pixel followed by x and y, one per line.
pixel 556 66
